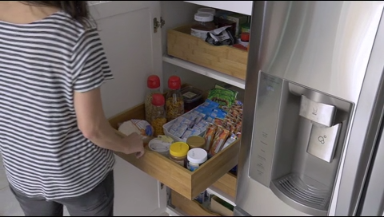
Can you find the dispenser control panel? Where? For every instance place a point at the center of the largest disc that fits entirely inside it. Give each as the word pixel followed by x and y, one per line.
pixel 266 123
pixel 318 112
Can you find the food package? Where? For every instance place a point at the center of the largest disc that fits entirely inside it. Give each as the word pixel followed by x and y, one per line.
pixel 209 136
pixel 219 140
pixel 229 141
pixel 221 36
pixel 224 97
pixel 142 127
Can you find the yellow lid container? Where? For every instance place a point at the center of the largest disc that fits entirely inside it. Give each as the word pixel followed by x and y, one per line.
pixel 179 149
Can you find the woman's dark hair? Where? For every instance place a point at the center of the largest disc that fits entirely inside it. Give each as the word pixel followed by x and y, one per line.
pixel 78 10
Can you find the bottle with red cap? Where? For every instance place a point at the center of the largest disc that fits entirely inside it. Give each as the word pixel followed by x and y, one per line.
pixel 174 103
pixel 153 87
pixel 157 116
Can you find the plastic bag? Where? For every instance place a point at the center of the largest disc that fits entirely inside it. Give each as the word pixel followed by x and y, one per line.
pixel 220 36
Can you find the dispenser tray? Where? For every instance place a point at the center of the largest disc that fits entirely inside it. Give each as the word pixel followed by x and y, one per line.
pixel 302 194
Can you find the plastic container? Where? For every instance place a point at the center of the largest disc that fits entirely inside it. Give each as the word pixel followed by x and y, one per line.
pixel 159 146
pixel 178 152
pixel 196 157
pixel 202 25
pixel 196 142
pixel 174 100
pixel 207 10
pixel 157 114
pixel 192 98
pixel 153 86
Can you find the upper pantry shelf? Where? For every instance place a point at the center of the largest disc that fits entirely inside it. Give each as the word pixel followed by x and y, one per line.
pixel 242 7
pixel 205 71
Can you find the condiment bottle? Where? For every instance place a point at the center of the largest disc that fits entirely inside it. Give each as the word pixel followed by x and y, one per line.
pixel 157 114
pixel 202 25
pixel 153 86
pixel 196 157
pixel 174 104
pixel 178 152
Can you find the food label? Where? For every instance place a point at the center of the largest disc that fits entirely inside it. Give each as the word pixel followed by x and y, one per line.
pixel 199 33
pixel 189 94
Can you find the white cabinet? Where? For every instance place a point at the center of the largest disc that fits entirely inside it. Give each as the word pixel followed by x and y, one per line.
pixel 135 51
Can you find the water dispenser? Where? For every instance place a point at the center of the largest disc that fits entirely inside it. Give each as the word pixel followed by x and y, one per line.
pixel 300 133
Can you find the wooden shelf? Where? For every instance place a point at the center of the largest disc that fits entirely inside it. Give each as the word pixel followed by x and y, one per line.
pixel 205 71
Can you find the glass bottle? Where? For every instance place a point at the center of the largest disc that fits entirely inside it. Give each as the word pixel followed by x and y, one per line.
pixel 174 103
pixel 157 116
pixel 153 87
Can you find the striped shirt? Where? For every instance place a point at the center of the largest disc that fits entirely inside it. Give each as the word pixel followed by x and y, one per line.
pixel 41 65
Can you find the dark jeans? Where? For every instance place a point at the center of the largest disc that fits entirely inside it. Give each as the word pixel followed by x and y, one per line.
pixel 98 202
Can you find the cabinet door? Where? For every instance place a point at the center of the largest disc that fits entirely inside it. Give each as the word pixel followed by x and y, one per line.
pixel 134 52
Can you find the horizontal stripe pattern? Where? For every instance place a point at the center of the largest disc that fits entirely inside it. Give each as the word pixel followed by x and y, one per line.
pixel 41 65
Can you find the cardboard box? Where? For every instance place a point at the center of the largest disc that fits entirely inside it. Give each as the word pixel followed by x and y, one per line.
pixel 218 206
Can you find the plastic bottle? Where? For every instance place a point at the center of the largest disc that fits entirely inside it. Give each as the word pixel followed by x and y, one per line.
pixel 153 86
pixel 174 103
pixel 157 115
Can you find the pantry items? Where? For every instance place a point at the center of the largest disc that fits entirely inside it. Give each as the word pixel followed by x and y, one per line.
pixel 196 142
pixel 209 136
pixel 237 19
pixel 196 157
pixel 193 97
pixel 157 114
pixel 159 146
pixel 178 152
pixel 202 25
pixel 202 198
pixel 222 96
pixel 174 99
pixel 219 127
pixel 221 136
pixel 153 87
pixel 221 36
pixel 142 127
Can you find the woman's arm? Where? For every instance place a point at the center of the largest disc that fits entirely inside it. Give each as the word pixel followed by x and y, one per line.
pixel 95 127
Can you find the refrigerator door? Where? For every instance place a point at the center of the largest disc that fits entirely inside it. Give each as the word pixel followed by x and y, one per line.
pixel 372 202
pixel 365 131
pixel 325 46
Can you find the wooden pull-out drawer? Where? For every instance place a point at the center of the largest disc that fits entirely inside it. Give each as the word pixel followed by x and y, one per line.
pixel 188 184
pixel 192 208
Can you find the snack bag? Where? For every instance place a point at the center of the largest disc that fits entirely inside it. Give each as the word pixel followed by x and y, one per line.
pixel 219 140
pixel 209 136
pixel 229 141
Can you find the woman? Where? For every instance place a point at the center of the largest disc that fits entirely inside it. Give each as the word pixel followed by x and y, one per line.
pixel 55 141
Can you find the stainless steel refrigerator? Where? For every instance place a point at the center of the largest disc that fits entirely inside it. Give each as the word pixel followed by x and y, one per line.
pixel 312 134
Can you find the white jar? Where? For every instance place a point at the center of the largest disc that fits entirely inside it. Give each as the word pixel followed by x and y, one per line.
pixel 196 157
pixel 202 25
pixel 207 10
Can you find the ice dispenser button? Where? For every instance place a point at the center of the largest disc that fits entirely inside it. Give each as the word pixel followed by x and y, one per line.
pixel 318 112
pixel 322 141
